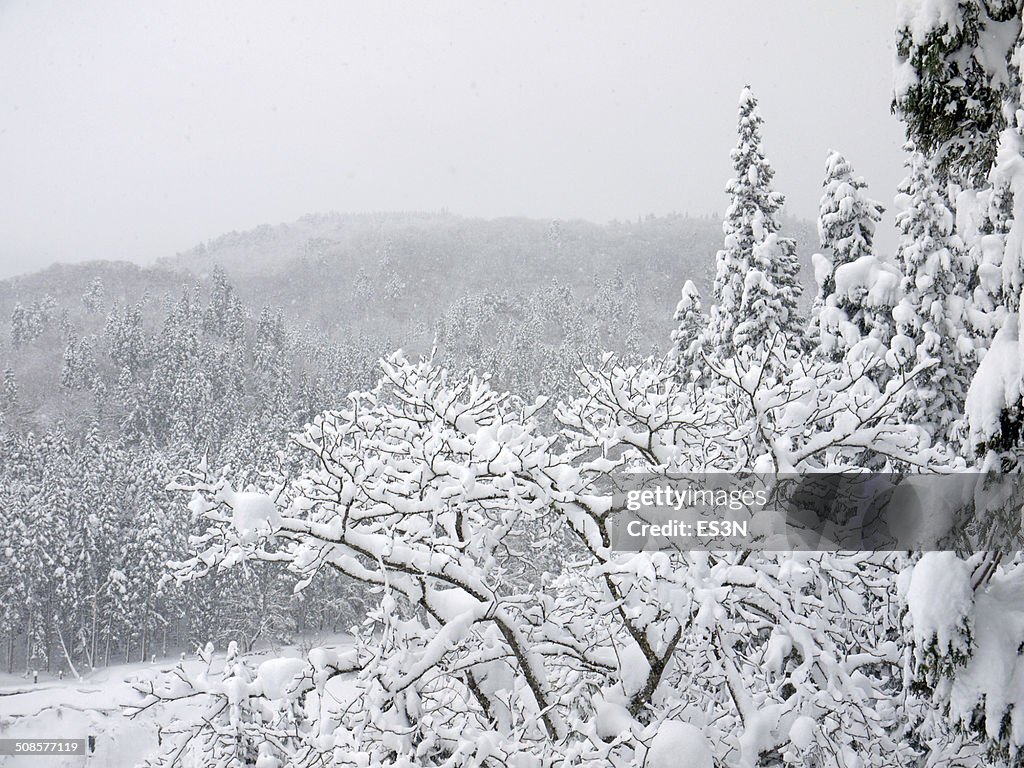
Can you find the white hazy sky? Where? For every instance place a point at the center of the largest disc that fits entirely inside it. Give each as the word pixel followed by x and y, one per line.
pixel 131 130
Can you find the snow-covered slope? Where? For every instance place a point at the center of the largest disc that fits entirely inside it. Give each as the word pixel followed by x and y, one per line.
pixel 94 706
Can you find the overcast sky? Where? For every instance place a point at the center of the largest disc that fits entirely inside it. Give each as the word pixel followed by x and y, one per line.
pixel 132 130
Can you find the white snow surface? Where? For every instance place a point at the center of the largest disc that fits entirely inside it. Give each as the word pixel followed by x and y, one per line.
pixel 822 267
pixel 93 706
pixel 633 668
pixel 922 17
pixel 277 677
pixel 72 709
pixel 994 675
pixel 611 717
pixel 253 514
pixel 801 733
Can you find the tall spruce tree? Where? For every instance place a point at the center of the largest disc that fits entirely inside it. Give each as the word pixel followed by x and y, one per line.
pixel 846 215
pixel 690 325
pixel 846 229
pixel 756 287
pixel 930 316
pixel 8 392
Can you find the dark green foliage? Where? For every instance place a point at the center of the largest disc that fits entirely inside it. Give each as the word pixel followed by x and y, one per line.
pixel 953 106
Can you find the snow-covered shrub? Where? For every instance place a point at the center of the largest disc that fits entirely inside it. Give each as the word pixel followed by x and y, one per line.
pixel 434 490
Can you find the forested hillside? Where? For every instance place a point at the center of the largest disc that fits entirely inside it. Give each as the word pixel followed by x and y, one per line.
pixel 380 281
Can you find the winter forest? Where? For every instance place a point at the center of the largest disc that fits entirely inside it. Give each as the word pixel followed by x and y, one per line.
pixel 320 494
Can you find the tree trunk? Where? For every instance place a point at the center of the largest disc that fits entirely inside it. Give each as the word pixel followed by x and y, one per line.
pixel 28 643
pixel 145 632
pixel 92 659
pixel 67 656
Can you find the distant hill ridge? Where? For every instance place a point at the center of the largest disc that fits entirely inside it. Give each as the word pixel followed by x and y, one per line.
pixel 323 267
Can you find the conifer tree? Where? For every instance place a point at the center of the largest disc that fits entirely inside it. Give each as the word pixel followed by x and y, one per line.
pixel 756 287
pixel 930 316
pixel 690 325
pixel 8 392
pixel 124 333
pixel 846 215
pixel 26 324
pixel 225 316
pixel 954 76
pixel 79 366
pixel 846 228
pixel 94 296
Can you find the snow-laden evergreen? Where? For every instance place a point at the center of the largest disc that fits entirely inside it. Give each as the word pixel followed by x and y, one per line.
pixel 686 337
pixel 959 90
pixel 931 315
pixel 953 77
pixel 847 217
pixel 756 284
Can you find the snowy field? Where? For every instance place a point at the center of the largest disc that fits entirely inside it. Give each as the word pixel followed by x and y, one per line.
pixel 93 706
pixel 73 709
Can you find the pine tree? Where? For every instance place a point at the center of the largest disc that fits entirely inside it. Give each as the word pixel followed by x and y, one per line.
pixel 272 377
pixel 79 369
pixel 124 333
pixel 26 324
pixel 930 317
pixel 8 392
pixel 690 325
pixel 94 296
pixel 756 287
pixel 953 77
pixel 846 228
pixel 224 317
pixel 846 215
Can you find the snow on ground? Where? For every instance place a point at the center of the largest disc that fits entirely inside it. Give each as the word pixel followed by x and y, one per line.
pixel 92 706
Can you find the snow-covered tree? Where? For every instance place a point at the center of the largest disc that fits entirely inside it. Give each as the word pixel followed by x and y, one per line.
pixel 8 392
pixel 958 88
pixel 756 287
pixel 224 316
pixel 687 335
pixel 846 215
pixel 954 76
pixel 95 296
pixel 79 366
pixel 126 338
pixel 437 490
pixel 26 324
pixel 856 317
pixel 858 308
pixel 931 314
